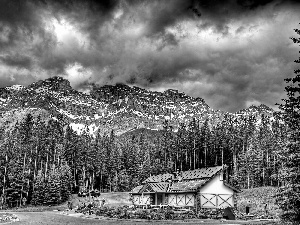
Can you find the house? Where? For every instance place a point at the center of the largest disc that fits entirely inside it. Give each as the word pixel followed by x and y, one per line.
pixel 200 188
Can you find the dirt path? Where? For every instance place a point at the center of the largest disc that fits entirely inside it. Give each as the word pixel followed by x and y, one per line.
pixel 51 218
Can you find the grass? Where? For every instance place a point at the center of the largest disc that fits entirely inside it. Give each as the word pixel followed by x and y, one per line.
pixel 7 217
pixel 111 199
pixel 116 198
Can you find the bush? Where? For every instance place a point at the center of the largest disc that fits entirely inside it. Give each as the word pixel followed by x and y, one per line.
pixel 124 212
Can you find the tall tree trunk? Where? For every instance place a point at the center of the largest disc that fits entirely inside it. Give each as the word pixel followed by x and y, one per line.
pixel 263 176
pixel 181 164
pixel 23 177
pixel 54 156
pixel 35 162
pixel 93 179
pixel 4 176
pixel 186 157
pixel 222 156
pixel 24 164
pixel 74 169
pixel 190 160
pixel 205 155
pixel 274 169
pixel 263 168
pixel 234 162
pixel 216 161
pixel 194 153
pixel 268 169
pixel 101 180
pixel 46 165
pixel 176 159
pixel 83 177
pixel 248 179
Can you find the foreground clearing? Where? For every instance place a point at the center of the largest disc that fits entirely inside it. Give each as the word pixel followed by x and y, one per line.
pixel 54 218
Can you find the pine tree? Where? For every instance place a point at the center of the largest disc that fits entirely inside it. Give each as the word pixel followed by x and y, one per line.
pixel 52 188
pixel 65 181
pixel 288 197
pixel 38 189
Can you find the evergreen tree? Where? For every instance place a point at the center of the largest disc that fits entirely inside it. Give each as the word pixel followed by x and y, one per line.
pixel 38 189
pixel 53 188
pixel 288 197
pixel 65 181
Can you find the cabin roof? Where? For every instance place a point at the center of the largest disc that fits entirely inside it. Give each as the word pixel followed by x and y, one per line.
pixel 207 172
pixel 151 187
pixel 159 178
pixel 155 187
pixel 185 181
pixel 137 189
pixel 203 173
pixel 187 186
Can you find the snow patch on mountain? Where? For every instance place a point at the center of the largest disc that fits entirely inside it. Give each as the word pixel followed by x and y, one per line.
pixel 79 128
pixel 16 87
pixel 66 113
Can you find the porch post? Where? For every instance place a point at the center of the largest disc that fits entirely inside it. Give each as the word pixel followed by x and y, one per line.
pixel 200 206
pixel 196 201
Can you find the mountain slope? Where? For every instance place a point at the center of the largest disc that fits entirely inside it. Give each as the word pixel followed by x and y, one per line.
pixel 118 107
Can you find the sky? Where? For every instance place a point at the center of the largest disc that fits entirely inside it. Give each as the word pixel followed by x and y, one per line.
pixel 231 53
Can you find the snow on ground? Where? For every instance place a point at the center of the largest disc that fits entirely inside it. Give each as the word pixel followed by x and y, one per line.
pixel 79 128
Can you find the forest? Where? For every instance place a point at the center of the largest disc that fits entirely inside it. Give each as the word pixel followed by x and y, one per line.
pixel 44 161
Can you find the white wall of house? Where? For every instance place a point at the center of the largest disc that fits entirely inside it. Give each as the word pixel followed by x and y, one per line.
pixel 215 194
pixel 216 186
pixel 140 199
pixel 182 199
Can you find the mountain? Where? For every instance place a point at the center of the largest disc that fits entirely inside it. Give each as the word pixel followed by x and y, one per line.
pixel 253 109
pixel 118 107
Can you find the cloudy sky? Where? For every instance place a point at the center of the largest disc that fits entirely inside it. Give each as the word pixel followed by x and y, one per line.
pixel 232 53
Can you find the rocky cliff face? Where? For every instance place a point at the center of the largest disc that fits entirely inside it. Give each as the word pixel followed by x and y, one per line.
pixel 118 107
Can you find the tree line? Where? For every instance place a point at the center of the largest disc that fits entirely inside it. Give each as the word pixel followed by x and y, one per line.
pixel 45 160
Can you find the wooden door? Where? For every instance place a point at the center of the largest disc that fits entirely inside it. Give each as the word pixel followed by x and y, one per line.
pixel 159 199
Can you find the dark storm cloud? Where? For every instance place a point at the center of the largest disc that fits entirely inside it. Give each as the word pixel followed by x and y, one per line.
pixel 232 53
pixel 167 13
pixel 16 60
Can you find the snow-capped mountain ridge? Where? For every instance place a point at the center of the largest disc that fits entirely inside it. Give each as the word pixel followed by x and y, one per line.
pixel 118 107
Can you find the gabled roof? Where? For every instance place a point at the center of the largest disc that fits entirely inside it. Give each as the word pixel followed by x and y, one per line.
pixel 151 187
pixel 136 189
pixel 159 178
pixel 189 180
pixel 159 187
pixel 202 173
pixel 187 186
pixel 155 187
